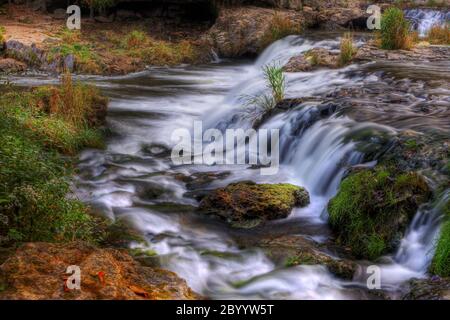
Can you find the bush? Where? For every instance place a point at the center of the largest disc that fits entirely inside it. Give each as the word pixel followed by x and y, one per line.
pixel 439 34
pixel 347 51
pixel 394 30
pixel 373 208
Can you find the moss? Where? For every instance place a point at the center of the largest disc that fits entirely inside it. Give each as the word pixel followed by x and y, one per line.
pixel 219 254
pixel 300 259
pixel 248 203
pixel 373 208
pixel 441 260
pixel 143 252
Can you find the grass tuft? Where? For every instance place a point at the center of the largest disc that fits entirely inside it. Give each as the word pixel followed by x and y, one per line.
pixel 439 34
pixel 280 27
pixel 394 30
pixel 348 50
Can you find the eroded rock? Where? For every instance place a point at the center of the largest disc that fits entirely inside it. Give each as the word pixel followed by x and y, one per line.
pixel 9 65
pixel 37 271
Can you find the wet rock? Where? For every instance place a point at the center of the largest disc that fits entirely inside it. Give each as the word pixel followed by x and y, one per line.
pixel 37 271
pixel 311 60
pixel 247 204
pixel 9 65
pixel 428 289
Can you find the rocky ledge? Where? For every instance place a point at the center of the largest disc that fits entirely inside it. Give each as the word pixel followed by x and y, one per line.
pixel 37 271
pixel 247 204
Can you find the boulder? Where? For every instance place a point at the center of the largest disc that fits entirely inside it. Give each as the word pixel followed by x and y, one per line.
pixel 428 289
pixel 38 271
pixel 247 204
pixel 373 208
pixel 311 60
pixel 59 14
pixel 9 65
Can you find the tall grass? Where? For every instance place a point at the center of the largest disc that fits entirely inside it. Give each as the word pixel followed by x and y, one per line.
pixel 439 34
pixel 347 50
pixel 394 30
pixel 2 35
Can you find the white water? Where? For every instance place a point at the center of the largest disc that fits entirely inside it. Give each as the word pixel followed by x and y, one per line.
pixel 423 19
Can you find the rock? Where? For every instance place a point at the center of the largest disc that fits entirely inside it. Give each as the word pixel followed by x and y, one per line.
pixel 374 207
pixel 311 60
pixel 126 15
pixel 9 65
pixel 428 289
pixel 37 271
pixel 69 62
pixel 247 204
pixel 248 30
pixel 59 14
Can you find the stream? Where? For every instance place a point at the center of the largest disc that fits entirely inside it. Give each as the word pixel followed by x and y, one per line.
pixel 134 179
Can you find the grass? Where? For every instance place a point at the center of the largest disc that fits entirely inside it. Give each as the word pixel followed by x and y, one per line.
pixel 439 34
pixel 441 260
pixel 280 27
pixel 373 207
pixel 276 83
pixel 34 176
pixel 2 34
pixel 394 31
pixel 347 50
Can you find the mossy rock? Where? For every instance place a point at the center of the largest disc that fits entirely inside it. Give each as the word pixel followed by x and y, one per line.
pixel 441 260
pixel 373 208
pixel 247 204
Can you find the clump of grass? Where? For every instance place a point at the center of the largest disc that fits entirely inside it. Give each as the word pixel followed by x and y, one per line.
pixel 165 53
pixel 373 207
pixel 347 50
pixel 135 39
pixel 280 27
pixel 441 260
pixel 34 177
pixel 394 30
pixel 2 35
pixel 439 34
pixel 276 83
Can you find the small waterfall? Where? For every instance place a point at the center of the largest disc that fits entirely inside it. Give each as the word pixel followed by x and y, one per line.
pixel 423 19
pixel 416 250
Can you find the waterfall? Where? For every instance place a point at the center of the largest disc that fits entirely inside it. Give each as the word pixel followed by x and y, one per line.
pixel 423 19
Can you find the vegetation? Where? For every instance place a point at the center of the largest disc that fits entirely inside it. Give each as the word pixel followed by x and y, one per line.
pixel 373 207
pixel 2 35
pixel 347 51
pixel 276 83
pixel 441 260
pixel 394 30
pixel 439 34
pixel 280 26
pixel 34 127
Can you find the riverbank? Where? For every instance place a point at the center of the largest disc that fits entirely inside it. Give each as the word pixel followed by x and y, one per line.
pixel 43 227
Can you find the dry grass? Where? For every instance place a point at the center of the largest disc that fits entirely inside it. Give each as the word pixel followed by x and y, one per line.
pixel 280 26
pixel 348 50
pixel 439 34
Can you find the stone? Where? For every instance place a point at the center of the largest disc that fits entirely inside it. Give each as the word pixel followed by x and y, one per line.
pixel 247 204
pixel 59 14
pixel 9 65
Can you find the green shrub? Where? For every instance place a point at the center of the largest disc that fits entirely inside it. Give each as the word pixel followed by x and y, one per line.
pixel 394 30
pixel 276 81
pixel 373 208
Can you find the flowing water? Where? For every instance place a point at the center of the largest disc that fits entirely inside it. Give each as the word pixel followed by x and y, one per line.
pixel 423 19
pixel 134 178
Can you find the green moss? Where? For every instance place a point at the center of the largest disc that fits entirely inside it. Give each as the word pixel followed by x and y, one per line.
pixel 303 259
pixel 441 260
pixel 143 252
pixel 373 207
